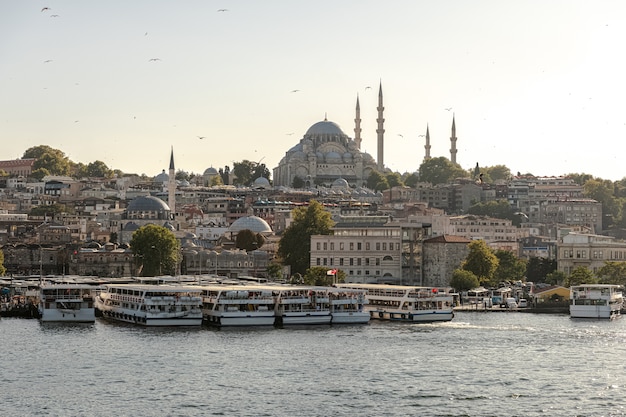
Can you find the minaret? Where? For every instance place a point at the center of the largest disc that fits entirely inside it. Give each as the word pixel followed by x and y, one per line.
pixel 427 146
pixel 171 186
pixel 357 124
pixel 453 143
pixel 380 131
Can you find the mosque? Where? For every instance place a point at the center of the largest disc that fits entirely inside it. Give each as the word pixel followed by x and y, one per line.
pixel 326 154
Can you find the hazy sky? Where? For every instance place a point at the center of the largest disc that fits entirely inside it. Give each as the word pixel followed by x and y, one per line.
pixel 536 85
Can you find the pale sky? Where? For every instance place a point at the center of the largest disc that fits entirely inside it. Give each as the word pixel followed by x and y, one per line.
pixel 536 85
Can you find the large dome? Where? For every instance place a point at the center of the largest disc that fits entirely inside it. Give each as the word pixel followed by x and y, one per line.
pixel 325 128
pixel 252 223
pixel 147 203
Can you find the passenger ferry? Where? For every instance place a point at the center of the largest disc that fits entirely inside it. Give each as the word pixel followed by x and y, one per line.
pixel 596 301
pixel 60 302
pixel 237 305
pixel 151 305
pixel 347 306
pixel 301 305
pixel 406 303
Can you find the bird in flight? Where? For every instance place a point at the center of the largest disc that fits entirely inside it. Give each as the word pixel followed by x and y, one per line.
pixel 201 137
pixel 54 15
pixel 400 135
pixel 47 60
pixel 288 134
pixel 421 136
pixel 368 87
pixel 45 8
pixel 294 91
pixel 222 10
pixel 448 108
pixel 154 59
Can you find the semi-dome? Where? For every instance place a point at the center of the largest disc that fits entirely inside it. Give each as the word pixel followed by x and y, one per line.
pixel 252 223
pixel 325 127
pixel 147 203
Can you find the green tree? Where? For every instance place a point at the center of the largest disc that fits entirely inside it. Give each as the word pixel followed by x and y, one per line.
pixel 53 160
pixel 556 278
pixel 3 270
pixel 393 179
pixel 98 169
pixel 294 246
pixel 463 280
pixel 612 273
pixel 510 267
pixel 297 182
pixel 156 250
pixel 50 210
pixel 248 240
pixel 500 209
pixel 440 171
pixel 216 181
pixel 580 275
pixel 497 172
pixel 274 271
pixel 581 178
pixel 603 192
pixel 411 180
pixel 482 262
pixel 318 275
pixel 377 181
pixel 247 171
pixel 538 268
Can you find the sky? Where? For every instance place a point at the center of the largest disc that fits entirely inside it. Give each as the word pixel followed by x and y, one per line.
pixel 535 85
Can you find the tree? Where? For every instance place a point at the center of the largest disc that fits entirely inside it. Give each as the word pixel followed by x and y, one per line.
pixel 393 179
pixel 603 191
pixel 612 273
pixel 53 160
pixel 580 275
pixel 297 182
pixel 538 268
pixel 481 261
pixel 156 249
pixel 411 180
pixel 216 181
pixel 274 271
pixel 318 275
pixel 463 280
pixel 50 210
pixel 440 171
pixel 3 270
pixel 98 169
pixel 248 240
pixel 294 246
pixel 497 172
pixel 556 278
pixel 377 181
pixel 247 171
pixel 510 267
pixel 500 209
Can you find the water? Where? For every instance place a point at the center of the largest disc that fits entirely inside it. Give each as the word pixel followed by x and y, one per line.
pixel 480 364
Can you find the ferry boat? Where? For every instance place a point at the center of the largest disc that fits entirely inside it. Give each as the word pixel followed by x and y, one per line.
pixel 237 305
pixel 347 306
pixel 60 302
pixel 406 303
pixel 151 305
pixel 301 305
pixel 597 301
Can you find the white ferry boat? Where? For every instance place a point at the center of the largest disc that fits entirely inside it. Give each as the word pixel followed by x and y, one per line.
pixel 406 303
pixel 237 305
pixel 347 306
pixel 66 303
pixel 301 305
pixel 151 305
pixel 597 301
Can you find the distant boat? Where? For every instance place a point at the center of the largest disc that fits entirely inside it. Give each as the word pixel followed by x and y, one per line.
pixel 237 305
pixel 151 305
pixel 596 301
pixel 67 303
pixel 406 303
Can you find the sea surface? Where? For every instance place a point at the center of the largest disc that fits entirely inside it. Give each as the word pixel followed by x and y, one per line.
pixel 480 364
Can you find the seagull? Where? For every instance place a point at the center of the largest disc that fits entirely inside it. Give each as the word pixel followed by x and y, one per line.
pixel 54 15
pixel 154 59
pixel 294 91
pixel 448 108
pixel 222 10
pixel 421 136
pixel 47 60
pixel 45 8
pixel 201 137
pixel 400 135
pixel 368 87
pixel 288 134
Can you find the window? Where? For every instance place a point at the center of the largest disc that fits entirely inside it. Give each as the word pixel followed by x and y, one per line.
pixel 351 245
pixel 332 245
pixel 318 262
pixel 358 246
pixel 317 245
pixel 325 246
pixel 377 245
pixel 367 246
pixel 340 245
pixel 384 245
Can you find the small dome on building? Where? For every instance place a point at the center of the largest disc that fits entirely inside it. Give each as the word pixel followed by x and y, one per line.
pixel 147 203
pixel 210 171
pixel 162 177
pixel 252 223
pixel 340 183
pixel 325 127
pixel 261 182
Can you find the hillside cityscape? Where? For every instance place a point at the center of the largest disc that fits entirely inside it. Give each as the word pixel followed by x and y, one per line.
pixel 59 217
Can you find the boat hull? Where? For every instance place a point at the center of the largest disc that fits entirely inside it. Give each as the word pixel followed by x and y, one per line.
pixel 305 318
pixel 84 315
pixel 355 317
pixel 242 321
pixel 419 316
pixel 589 312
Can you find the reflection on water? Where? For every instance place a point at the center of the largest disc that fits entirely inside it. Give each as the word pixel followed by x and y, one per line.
pixel 479 364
